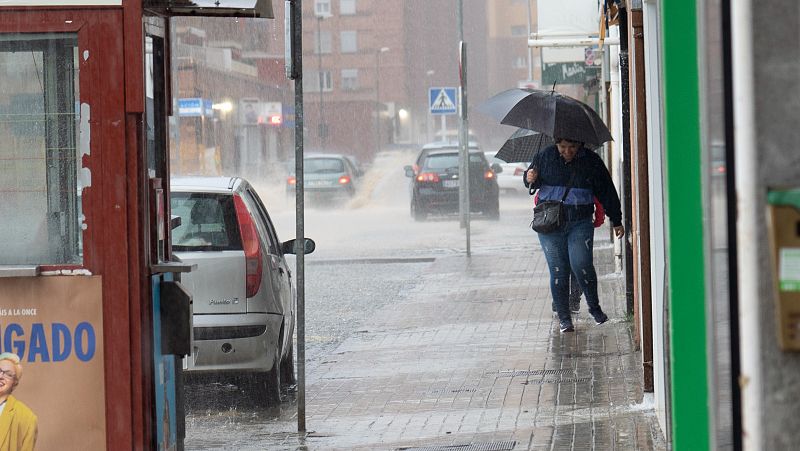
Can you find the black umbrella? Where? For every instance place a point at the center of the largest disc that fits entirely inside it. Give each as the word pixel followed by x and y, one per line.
pixel 548 112
pixel 521 146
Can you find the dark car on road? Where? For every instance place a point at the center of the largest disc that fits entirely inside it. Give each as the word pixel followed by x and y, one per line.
pixel 434 185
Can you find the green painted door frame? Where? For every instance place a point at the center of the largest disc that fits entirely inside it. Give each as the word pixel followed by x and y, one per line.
pixel 684 226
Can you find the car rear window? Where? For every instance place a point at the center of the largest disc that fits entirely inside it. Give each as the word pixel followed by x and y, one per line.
pixel 323 165
pixel 450 160
pixel 208 222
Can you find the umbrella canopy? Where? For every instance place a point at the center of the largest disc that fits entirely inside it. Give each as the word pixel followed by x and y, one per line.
pixel 547 112
pixel 522 145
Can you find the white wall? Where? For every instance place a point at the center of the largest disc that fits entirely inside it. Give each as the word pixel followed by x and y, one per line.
pixel 657 234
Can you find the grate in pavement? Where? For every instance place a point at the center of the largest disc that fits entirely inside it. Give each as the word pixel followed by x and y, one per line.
pixel 558 381
pixel 371 261
pixel 504 445
pixel 439 391
pixel 515 373
pixel 572 355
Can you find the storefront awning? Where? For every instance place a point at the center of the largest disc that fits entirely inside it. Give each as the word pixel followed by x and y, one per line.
pixel 216 8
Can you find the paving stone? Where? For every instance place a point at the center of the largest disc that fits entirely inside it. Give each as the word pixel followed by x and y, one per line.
pixel 474 355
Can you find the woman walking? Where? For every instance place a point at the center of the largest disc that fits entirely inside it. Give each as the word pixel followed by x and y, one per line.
pixel 568 165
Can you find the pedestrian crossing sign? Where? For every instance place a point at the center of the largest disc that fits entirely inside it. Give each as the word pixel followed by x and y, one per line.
pixel 442 100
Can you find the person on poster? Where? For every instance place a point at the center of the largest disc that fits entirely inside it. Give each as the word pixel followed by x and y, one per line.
pixel 18 424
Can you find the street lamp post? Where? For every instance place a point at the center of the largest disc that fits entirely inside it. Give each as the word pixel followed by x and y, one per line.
pixel 429 115
pixel 378 95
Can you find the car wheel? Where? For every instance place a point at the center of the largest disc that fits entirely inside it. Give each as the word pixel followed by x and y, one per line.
pixel 267 386
pixel 287 367
pixel 493 212
pixel 417 212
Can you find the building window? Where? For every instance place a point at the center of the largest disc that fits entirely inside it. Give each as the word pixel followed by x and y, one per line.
pixel 349 42
pixel 349 79
pixel 40 190
pixel 520 62
pixel 311 81
pixel 519 30
pixel 322 42
pixel 322 8
pixel 347 7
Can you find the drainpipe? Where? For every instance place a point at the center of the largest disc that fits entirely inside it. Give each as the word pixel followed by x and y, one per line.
pixel 626 157
pixel 746 182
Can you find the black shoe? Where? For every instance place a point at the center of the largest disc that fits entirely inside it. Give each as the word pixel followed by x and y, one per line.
pixel 575 308
pixel 600 319
pixel 566 326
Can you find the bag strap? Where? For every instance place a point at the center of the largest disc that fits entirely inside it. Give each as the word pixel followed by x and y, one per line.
pixel 532 191
pixel 569 183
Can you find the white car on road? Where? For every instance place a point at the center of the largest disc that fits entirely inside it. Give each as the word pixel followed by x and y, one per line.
pixel 510 179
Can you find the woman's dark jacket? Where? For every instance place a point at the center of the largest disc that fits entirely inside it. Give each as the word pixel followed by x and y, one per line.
pixel 591 179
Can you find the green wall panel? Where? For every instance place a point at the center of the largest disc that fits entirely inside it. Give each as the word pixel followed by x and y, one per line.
pixel 684 214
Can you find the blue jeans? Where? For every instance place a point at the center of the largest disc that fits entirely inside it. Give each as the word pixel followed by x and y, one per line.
pixel 570 250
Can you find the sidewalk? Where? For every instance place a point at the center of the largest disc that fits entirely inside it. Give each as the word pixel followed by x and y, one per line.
pixel 473 360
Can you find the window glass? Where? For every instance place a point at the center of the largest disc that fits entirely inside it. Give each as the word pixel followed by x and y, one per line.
pixel 322 7
pixel 349 42
pixel 311 83
pixel 258 212
pixel 208 222
pixel 270 229
pixel 347 7
pixel 322 165
pixel 40 192
pixel 450 160
pixel 349 79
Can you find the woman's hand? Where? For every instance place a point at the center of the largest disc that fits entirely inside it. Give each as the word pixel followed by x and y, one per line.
pixel 531 175
pixel 619 231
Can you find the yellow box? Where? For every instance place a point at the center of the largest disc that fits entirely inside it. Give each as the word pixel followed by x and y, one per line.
pixel 784 231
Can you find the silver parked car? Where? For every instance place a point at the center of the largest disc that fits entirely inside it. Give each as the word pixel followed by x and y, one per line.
pixel 327 176
pixel 243 294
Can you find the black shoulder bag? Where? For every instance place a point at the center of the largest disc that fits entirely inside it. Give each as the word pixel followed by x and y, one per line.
pixel 548 215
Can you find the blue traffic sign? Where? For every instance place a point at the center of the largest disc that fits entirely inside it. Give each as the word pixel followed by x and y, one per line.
pixel 192 107
pixel 443 100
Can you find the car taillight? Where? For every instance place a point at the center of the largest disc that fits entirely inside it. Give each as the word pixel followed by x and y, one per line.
pixel 344 180
pixel 428 177
pixel 292 180
pixel 251 246
pixel 518 171
pixel 488 175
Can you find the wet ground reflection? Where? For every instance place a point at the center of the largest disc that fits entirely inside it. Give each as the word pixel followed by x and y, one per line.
pixel 224 412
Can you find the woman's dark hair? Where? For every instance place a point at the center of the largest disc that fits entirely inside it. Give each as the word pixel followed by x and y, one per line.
pixel 558 140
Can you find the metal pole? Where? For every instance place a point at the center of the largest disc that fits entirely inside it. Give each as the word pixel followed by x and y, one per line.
pixel 320 128
pixel 296 17
pixel 463 135
pixel 530 49
pixel 378 100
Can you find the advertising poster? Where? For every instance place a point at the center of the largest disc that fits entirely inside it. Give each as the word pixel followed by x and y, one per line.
pixel 55 325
